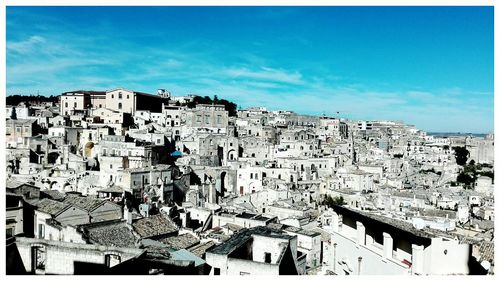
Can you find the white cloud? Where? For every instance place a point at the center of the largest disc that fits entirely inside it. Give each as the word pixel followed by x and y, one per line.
pixel 52 65
pixel 266 73
pixel 26 46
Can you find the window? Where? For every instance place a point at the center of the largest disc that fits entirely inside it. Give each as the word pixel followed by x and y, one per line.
pixel 120 95
pixel 128 96
pixel 198 118
pixel 38 258
pixel 41 231
pixel 65 104
pixel 18 129
pixel 119 105
pixel 206 119
pixel 216 271
pixel 112 96
pixel 218 119
pixel 74 105
pixel 267 257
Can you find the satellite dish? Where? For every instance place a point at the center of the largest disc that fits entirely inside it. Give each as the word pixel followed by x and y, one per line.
pixel 486 265
pixel 418 223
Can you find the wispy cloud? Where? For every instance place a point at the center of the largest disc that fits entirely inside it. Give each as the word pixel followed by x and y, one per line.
pixel 266 73
pixel 52 59
pixel 26 46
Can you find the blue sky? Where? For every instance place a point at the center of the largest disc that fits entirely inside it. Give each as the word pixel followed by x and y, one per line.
pixel 427 66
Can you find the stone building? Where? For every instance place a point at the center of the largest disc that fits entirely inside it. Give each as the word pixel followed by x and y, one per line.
pixel 259 251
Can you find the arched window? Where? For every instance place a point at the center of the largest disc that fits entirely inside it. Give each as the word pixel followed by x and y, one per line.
pixel 119 105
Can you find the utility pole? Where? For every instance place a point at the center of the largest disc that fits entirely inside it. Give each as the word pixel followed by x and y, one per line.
pixel 334 256
pixel 359 265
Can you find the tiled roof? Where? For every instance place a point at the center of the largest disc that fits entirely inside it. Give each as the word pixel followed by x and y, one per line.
pixel 83 202
pixel 54 194
pixel 156 225
pixel 50 206
pixel 200 249
pixel 487 251
pixel 114 233
pixel 182 241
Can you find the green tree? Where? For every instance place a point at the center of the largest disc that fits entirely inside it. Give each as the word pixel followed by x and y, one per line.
pixel 331 201
pixel 461 155
pixel 466 179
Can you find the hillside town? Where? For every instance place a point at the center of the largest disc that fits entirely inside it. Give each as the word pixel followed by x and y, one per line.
pixel 126 182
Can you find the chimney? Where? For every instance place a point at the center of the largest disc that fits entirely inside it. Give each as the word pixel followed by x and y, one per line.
pixel 127 215
pixel 335 222
pixel 388 244
pixel 361 233
pixel 417 257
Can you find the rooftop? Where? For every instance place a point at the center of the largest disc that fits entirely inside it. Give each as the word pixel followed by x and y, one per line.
pixel 243 236
pixel 302 231
pixel 50 206
pixel 53 194
pixel 110 233
pixel 84 92
pixel 200 249
pixel 83 202
pixel 182 241
pixel 152 226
